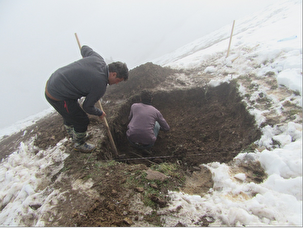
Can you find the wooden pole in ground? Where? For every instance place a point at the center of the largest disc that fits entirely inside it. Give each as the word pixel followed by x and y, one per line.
pixel 231 35
pixel 104 118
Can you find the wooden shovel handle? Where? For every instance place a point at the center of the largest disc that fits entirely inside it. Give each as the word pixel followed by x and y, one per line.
pixel 108 132
pixel 78 41
pixel 104 118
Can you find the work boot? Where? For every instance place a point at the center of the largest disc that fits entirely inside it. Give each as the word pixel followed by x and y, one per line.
pixel 69 130
pixel 70 133
pixel 84 148
pixel 80 145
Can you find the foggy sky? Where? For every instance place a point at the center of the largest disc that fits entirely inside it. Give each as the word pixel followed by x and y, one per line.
pixel 37 37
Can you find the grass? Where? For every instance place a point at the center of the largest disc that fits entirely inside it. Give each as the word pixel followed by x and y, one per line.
pixel 155 219
pixel 166 168
pixel 296 93
pixel 109 163
pixel 158 188
pixel 270 73
pixel 87 177
pixel 138 180
pixel 250 148
pixel 65 168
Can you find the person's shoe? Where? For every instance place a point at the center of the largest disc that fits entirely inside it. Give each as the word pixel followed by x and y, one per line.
pixel 84 148
pixel 70 133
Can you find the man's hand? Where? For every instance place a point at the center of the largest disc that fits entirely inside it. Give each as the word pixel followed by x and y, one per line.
pixel 103 115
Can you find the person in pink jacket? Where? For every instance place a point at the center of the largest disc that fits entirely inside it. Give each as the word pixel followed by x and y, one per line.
pixel 145 123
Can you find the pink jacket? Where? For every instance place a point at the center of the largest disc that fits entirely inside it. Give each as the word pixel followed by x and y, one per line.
pixel 142 122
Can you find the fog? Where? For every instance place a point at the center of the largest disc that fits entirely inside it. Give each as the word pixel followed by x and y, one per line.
pixel 37 37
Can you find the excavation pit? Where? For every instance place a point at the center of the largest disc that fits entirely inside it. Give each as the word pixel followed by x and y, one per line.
pixel 208 124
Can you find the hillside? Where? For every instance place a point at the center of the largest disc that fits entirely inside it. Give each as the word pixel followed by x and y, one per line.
pixel 233 156
pixel 208 124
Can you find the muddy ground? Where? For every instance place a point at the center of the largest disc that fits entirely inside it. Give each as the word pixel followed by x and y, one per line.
pixel 207 124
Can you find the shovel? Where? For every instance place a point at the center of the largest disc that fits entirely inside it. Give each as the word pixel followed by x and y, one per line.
pixel 104 118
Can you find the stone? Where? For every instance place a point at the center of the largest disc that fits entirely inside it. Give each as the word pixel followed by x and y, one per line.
pixel 139 189
pixel 155 175
pixel 153 185
pixel 128 221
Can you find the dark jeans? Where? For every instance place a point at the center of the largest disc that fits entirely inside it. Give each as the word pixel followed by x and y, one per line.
pixel 72 113
pixel 140 146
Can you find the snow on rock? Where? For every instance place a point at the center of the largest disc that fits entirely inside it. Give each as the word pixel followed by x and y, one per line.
pixel 210 69
pixel 291 78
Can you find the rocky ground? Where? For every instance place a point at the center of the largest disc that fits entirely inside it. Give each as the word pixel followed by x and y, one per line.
pixel 100 189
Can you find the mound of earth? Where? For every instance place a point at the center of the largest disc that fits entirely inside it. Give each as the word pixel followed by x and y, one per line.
pixel 147 76
pixel 208 124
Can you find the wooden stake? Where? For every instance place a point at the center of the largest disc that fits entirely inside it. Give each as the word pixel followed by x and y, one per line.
pixel 104 118
pixel 231 35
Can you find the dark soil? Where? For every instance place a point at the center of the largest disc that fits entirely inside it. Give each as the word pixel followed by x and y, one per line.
pixel 207 125
pixel 147 76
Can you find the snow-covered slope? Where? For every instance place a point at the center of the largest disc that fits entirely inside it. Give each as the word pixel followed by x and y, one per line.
pixel 267 41
pixel 265 45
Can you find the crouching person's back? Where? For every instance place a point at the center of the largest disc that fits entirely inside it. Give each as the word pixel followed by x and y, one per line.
pixel 145 123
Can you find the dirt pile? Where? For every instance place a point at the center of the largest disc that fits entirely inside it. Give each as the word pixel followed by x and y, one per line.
pixel 207 124
pixel 147 76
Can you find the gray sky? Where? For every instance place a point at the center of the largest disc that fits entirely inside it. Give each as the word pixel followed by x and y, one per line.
pixel 37 37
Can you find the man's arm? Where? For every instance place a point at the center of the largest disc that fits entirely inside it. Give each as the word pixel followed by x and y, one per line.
pixel 163 124
pixel 87 51
pixel 89 107
pixel 97 91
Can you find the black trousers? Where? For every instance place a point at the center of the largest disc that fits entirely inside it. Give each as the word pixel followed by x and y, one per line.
pixel 72 113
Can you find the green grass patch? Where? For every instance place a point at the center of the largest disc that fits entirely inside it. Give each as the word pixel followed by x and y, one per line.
pixel 137 180
pixel 166 168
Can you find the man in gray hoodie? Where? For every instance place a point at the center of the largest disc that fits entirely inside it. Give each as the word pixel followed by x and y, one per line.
pixel 87 77
pixel 145 123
